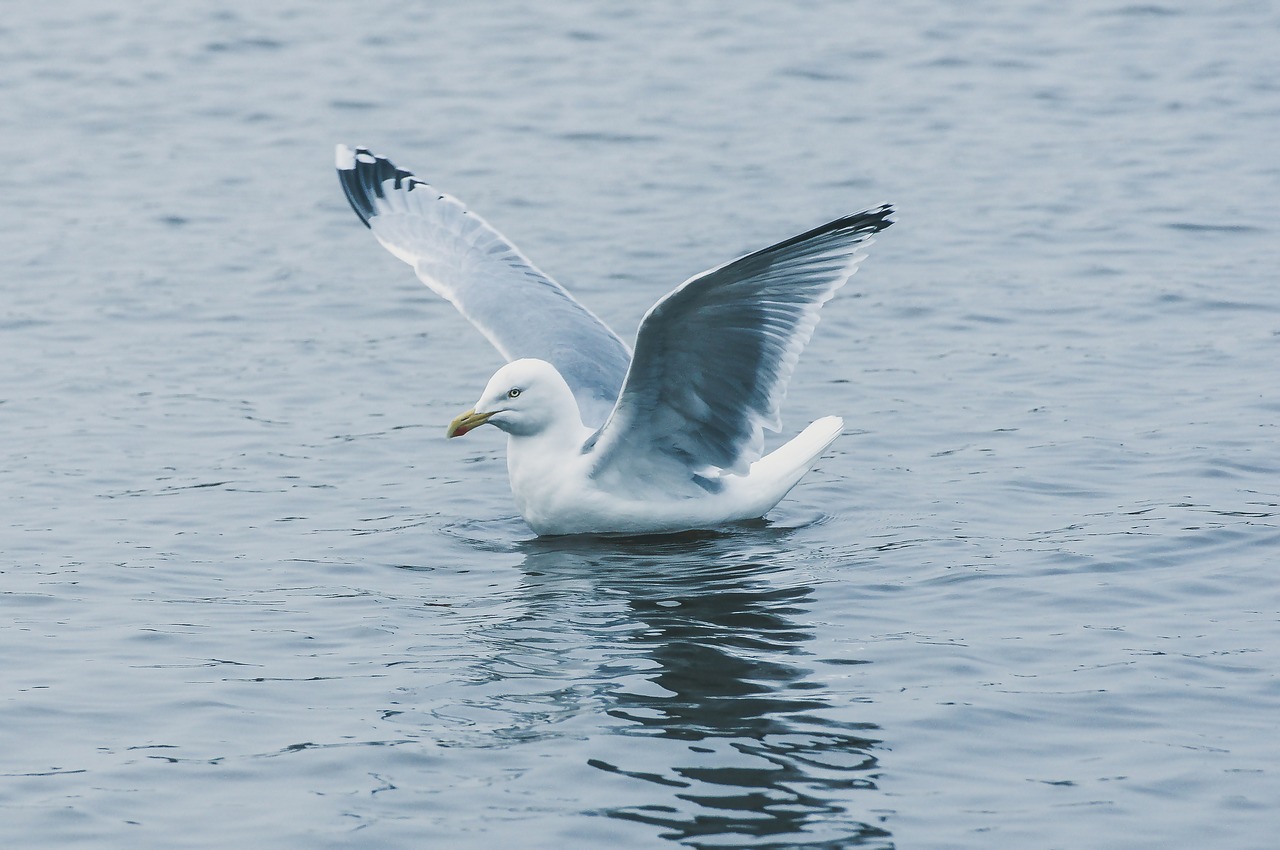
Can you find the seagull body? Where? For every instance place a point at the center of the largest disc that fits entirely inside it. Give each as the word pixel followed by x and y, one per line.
pixel 601 440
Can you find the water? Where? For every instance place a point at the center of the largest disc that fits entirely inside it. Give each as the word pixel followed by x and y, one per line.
pixel 251 596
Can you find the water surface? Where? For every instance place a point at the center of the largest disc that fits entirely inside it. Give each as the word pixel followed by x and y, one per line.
pixel 252 596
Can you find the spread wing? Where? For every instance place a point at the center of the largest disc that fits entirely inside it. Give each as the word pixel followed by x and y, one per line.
pixel 713 358
pixel 520 310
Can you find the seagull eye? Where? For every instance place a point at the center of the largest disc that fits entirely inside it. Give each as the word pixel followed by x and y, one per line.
pixel 513 393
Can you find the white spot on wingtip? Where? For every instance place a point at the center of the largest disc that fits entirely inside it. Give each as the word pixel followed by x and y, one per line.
pixel 344 158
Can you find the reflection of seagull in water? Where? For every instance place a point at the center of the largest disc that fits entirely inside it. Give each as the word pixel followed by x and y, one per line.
pixel 601 440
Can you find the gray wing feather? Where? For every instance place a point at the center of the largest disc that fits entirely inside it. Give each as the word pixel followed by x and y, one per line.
pixel 713 358
pixel 520 310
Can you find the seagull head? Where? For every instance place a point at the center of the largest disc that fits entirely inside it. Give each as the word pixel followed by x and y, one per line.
pixel 523 398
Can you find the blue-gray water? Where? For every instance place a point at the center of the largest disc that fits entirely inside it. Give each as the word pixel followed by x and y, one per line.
pixel 252 597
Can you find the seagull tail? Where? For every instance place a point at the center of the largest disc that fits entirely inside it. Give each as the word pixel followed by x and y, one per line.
pixel 782 469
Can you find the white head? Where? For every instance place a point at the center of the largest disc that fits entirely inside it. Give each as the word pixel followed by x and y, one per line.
pixel 523 398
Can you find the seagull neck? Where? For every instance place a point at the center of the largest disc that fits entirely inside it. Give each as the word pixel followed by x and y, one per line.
pixel 554 440
pixel 539 463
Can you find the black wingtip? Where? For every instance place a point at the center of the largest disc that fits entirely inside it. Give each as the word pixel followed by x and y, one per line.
pixel 868 221
pixel 874 219
pixel 862 223
pixel 363 175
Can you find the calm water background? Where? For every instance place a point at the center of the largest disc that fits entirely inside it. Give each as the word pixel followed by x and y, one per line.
pixel 252 597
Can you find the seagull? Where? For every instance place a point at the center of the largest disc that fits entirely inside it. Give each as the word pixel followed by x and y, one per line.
pixel 602 439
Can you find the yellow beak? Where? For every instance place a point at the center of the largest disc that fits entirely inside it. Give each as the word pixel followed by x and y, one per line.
pixel 465 422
